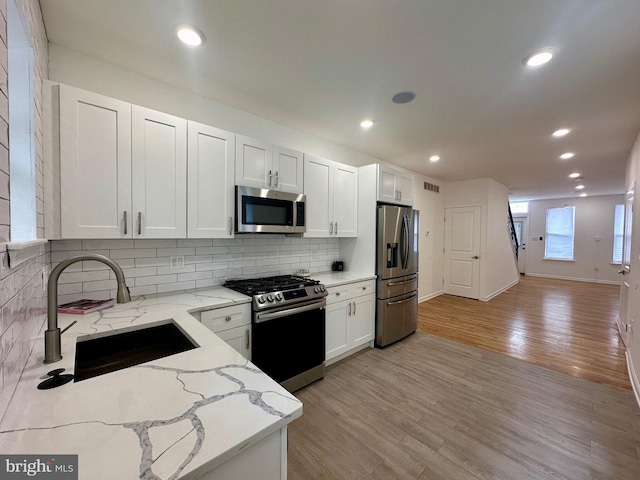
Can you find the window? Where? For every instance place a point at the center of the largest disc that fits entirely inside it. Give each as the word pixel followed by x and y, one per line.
pixel 559 235
pixel 21 130
pixel 519 207
pixel 618 232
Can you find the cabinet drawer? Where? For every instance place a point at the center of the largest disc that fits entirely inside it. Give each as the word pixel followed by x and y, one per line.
pixel 362 288
pixel 337 294
pixel 225 318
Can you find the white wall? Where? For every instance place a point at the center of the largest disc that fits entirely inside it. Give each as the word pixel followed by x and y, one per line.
pixel 431 257
pixel 594 217
pixel 498 268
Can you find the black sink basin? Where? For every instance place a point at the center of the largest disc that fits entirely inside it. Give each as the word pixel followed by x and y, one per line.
pixel 105 354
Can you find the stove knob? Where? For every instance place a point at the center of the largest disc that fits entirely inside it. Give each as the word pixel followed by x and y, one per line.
pixel 270 297
pixel 322 288
pixel 316 290
pixel 261 300
pixel 278 296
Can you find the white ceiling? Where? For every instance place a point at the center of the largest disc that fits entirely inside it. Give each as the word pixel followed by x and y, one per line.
pixel 323 65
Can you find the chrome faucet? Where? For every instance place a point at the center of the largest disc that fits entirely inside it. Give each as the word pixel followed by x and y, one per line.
pixel 52 345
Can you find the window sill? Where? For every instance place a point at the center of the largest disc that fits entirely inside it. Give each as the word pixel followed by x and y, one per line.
pixel 559 259
pixel 19 253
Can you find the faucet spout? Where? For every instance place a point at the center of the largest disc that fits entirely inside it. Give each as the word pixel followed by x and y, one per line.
pixel 52 336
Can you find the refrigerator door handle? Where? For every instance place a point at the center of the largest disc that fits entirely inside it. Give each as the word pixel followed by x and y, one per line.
pixel 403 301
pixel 405 242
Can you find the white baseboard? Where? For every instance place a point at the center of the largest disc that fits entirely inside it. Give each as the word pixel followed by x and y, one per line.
pixel 574 279
pixel 350 352
pixel 430 296
pixel 635 384
pixel 498 292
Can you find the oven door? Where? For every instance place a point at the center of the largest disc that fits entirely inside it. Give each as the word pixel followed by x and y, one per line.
pixel 289 343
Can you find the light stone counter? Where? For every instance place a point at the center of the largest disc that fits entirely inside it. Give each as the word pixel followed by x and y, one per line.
pixel 333 279
pixel 176 417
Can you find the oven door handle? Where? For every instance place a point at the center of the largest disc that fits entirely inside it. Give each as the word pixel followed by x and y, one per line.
pixel 261 317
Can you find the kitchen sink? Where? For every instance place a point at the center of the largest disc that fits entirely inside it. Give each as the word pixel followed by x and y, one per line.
pixel 97 355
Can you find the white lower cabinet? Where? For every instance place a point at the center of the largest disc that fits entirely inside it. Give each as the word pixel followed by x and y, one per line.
pixel 266 460
pixel 350 318
pixel 231 324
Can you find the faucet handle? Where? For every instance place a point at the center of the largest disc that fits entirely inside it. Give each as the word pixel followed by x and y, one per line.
pixel 68 327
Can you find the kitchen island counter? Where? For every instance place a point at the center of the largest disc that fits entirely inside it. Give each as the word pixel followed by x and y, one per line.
pixel 181 416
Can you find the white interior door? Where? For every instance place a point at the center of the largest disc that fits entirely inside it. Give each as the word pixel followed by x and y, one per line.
pixel 624 321
pixel 462 251
pixel 522 233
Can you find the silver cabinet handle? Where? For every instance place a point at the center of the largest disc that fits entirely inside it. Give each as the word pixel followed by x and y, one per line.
pixel 246 335
pixel 354 308
pixel 337 294
pixel 330 228
pixel 349 313
pixel 276 184
pixel 139 223
pixel 230 226
pixel 400 193
pixel 227 318
pixel 336 228
pixel 125 222
pixel 270 177
pixel 396 197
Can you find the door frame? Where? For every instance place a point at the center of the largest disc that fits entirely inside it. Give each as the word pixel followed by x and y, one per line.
pixel 623 321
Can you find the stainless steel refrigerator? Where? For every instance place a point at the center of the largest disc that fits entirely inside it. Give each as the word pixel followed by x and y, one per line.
pixel 397 271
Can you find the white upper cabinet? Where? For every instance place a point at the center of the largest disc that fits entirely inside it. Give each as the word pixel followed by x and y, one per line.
pixel 394 186
pixel 121 168
pixel 211 155
pixel 262 165
pixel 94 134
pixel 159 174
pixel 332 195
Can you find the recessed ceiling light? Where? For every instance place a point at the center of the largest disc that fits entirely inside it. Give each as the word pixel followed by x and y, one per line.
pixel 567 156
pixel 574 175
pixel 583 194
pixel 367 123
pixel 403 97
pixel 538 58
pixel 579 187
pixel 190 35
pixel 561 132
pixel 434 158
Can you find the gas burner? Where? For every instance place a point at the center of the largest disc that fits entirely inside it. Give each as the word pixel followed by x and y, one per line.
pixel 278 291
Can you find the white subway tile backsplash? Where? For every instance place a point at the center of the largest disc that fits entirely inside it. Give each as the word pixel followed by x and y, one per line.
pixel 208 262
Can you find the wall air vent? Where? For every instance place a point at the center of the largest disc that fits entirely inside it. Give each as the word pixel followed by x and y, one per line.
pixel 431 187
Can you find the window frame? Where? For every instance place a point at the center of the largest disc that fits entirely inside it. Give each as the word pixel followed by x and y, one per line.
pixel 549 235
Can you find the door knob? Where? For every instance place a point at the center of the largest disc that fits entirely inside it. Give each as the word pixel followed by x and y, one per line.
pixel 475 257
pixel 622 272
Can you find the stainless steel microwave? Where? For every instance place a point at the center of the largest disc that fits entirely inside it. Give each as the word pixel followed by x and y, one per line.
pixel 259 210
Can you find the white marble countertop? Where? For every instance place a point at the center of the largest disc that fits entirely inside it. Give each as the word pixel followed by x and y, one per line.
pixel 333 279
pixel 176 417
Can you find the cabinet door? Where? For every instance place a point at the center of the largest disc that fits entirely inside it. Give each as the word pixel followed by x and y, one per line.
pixel 345 194
pixel 95 165
pixel 317 180
pixel 253 163
pixel 387 185
pixel 405 186
pixel 159 174
pixel 362 320
pixel 239 339
pixel 336 334
pixel 211 156
pixel 288 166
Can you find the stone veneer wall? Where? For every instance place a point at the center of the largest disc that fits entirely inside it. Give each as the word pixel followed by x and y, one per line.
pixel 208 262
pixel 22 295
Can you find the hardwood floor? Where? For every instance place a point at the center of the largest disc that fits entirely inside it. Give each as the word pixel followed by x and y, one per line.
pixel 562 325
pixel 429 408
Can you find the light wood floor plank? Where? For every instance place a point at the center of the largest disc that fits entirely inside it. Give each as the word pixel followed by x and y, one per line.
pixel 429 408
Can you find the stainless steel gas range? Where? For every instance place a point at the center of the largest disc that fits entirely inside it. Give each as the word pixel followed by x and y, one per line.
pixel 287 327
